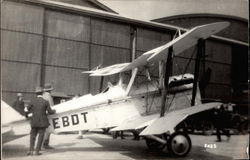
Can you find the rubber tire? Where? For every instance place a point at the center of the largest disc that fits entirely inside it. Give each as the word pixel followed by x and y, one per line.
pixel 171 139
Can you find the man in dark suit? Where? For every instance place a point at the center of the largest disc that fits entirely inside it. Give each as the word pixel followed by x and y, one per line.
pixel 221 120
pixel 39 121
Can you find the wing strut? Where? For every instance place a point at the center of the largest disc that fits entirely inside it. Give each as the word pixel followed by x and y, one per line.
pixel 166 80
pixel 132 79
pixel 101 84
pixel 200 52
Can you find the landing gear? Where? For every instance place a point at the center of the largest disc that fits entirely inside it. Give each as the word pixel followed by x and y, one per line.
pixel 154 145
pixel 105 130
pixel 178 144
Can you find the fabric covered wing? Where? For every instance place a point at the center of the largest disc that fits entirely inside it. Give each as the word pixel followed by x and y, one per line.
pixel 172 119
pixel 142 60
pixel 179 44
pixel 108 70
pixel 136 123
pixel 122 67
pixel 189 39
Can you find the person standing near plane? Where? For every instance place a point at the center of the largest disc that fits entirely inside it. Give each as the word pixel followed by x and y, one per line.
pixel 19 104
pixel 221 119
pixel 47 96
pixel 39 121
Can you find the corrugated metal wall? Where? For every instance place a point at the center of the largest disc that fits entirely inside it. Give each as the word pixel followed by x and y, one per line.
pixel 66 51
pixel 41 45
pixel 21 48
pixel 110 44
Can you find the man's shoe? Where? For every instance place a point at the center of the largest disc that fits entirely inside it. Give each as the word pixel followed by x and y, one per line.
pixel 30 153
pixel 48 147
pixel 37 153
pixel 218 140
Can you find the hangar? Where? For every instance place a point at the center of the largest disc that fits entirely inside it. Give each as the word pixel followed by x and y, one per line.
pixel 51 41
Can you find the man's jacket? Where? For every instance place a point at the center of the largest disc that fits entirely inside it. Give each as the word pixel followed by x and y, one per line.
pixel 39 108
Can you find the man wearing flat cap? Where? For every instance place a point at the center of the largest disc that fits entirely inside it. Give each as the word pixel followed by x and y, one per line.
pixel 39 121
pixel 47 96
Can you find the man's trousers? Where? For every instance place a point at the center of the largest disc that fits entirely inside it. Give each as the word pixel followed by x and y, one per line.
pixel 33 133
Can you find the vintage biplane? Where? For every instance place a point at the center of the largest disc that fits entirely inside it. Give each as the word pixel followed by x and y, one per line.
pixel 153 109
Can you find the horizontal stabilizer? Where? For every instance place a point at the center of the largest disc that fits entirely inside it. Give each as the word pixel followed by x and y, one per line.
pixel 172 119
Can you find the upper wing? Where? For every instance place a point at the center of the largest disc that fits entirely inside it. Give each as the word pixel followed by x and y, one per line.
pixel 122 67
pixel 108 70
pixel 172 119
pixel 189 39
pixel 179 44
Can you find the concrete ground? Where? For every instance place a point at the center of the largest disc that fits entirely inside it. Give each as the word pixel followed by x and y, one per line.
pixel 97 146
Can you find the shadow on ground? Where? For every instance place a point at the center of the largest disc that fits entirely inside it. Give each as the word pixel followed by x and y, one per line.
pixel 139 150
pixel 127 147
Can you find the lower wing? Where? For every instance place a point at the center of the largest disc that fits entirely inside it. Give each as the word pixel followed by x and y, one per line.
pixel 137 122
pixel 172 119
pixel 156 125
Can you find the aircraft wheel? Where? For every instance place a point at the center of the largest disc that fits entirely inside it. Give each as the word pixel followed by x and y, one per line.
pixel 179 144
pixel 154 145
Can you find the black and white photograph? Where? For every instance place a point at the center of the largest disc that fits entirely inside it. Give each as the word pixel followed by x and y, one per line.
pixel 124 79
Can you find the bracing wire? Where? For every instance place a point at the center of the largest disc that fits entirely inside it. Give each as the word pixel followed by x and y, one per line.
pixel 183 72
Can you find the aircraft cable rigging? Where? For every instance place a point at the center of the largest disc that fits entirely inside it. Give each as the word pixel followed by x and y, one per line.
pixel 155 86
pixel 149 106
pixel 183 72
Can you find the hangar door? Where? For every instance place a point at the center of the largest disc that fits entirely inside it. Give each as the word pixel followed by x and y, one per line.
pixel 240 76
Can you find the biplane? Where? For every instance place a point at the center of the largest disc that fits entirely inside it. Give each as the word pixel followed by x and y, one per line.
pixel 153 109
